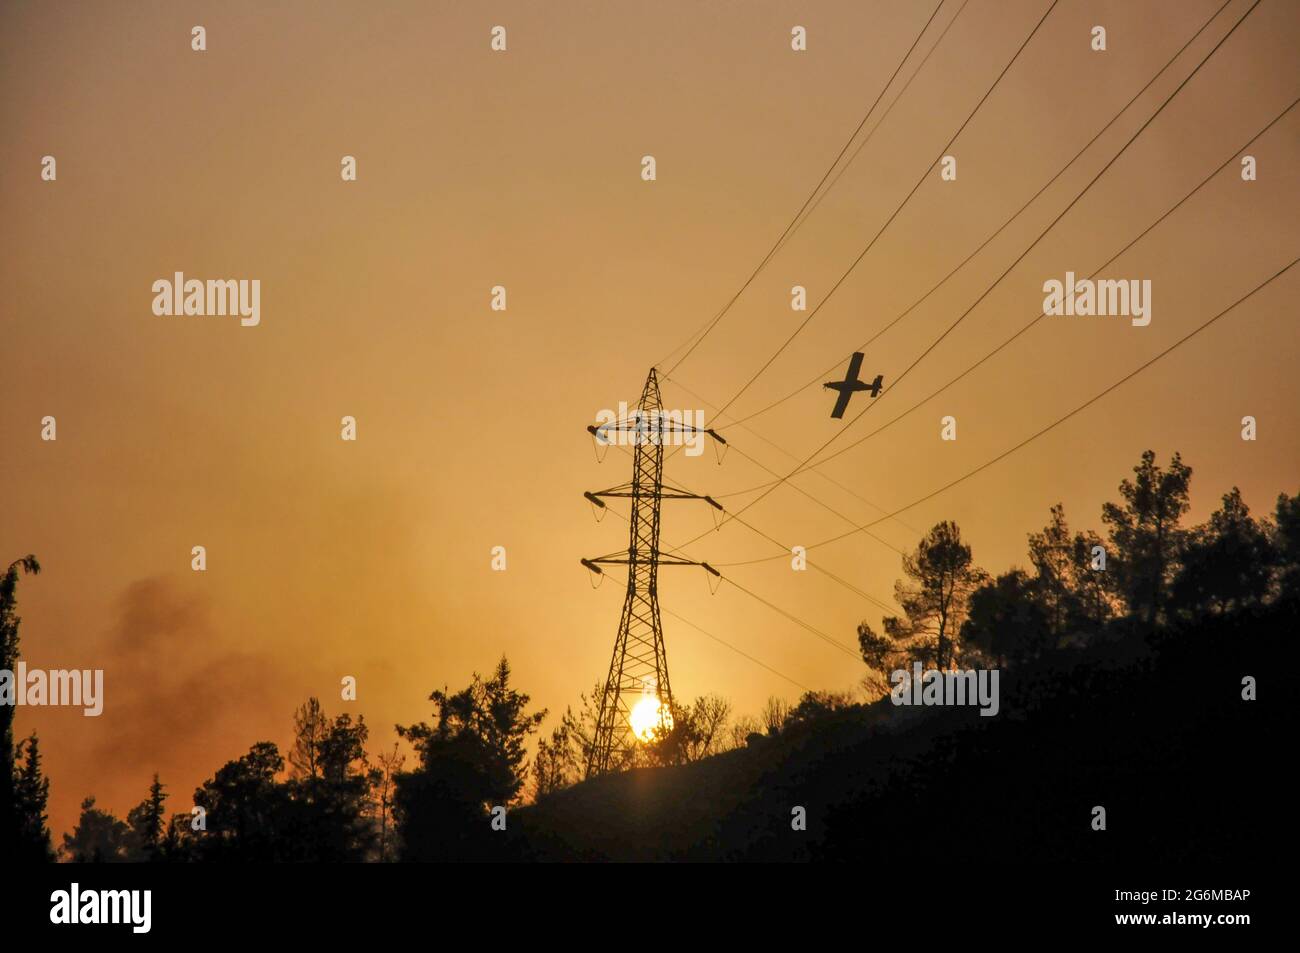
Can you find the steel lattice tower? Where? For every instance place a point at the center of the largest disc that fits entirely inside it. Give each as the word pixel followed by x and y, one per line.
pixel 639 665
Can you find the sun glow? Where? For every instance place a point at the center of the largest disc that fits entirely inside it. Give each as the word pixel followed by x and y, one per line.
pixel 647 715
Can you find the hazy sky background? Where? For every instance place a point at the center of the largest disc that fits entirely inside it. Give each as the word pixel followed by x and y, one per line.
pixel 476 168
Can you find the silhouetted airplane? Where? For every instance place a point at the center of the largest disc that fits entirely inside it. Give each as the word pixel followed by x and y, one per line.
pixel 851 385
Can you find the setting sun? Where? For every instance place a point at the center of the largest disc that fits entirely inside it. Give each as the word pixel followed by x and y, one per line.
pixel 647 715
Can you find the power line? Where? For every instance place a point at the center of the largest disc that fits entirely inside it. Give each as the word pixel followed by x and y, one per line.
pixel 883 116
pixel 1018 259
pixel 742 421
pixel 778 447
pixel 1052 426
pixel 916 406
pixel 830 640
pixel 924 175
pixel 984 244
pixel 793 222
pixel 786 550
pixel 1113 258
pixel 823 505
pixel 740 652
pixel 986 357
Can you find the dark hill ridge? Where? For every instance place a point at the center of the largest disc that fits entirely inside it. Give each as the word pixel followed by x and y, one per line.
pixel 1150 726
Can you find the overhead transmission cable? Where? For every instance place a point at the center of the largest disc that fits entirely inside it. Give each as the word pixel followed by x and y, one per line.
pixel 740 421
pixel 840 433
pixel 1052 426
pixel 883 116
pixel 924 175
pixel 1042 314
pixel 702 334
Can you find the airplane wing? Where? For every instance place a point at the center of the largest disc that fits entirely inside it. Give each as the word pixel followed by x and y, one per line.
pixel 841 402
pixel 855 365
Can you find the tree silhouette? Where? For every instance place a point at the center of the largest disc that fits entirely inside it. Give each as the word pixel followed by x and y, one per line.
pixel 942 577
pixel 706 719
pixel 1063 585
pixel 32 793
pixel 1145 535
pixel 390 765
pixel 1094 596
pixel 244 809
pixel 814 705
pixel 331 808
pixel 179 841
pixel 98 838
pixel 744 730
pixel 698 730
pixel 309 729
pixel 11 823
pixel 146 821
pixel 322 814
pixel 1007 620
pixel 775 713
pixel 472 758
pixel 1286 545
pixel 554 766
pixel 1226 563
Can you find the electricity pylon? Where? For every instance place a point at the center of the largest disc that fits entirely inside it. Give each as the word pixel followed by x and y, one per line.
pixel 639 667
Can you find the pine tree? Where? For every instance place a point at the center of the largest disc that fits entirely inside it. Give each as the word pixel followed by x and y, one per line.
pixel 1052 553
pixel 1072 595
pixel 32 794
pixel 146 821
pixel 310 725
pixel 942 578
pixel 1145 535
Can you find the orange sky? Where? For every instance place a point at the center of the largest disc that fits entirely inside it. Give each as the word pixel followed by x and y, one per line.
pixel 522 169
